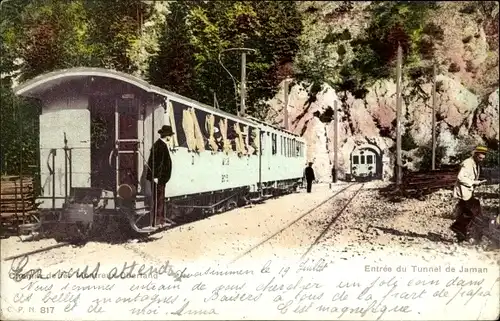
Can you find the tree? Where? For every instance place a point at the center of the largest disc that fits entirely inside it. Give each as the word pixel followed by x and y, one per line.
pixel 114 25
pixel 353 62
pixel 173 67
pixel 49 35
pixel 42 36
pixel 203 29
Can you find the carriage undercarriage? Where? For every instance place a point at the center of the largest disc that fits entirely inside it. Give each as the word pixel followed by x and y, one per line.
pixel 82 219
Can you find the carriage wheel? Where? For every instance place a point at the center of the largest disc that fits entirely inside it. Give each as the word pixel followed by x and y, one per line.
pixel 231 204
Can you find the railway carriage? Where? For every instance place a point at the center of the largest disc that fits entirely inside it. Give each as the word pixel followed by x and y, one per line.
pixel 96 130
pixel 366 163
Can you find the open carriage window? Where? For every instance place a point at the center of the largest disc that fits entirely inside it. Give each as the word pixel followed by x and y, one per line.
pixel 355 160
pixel 369 159
pixel 231 134
pixel 189 130
pixel 274 137
pixel 218 133
pixel 178 113
pixel 253 140
pixel 200 119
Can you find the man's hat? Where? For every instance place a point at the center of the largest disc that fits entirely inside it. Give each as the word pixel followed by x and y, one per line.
pixel 480 150
pixel 166 130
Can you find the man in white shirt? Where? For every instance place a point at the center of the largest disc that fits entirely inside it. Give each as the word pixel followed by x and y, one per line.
pixel 469 207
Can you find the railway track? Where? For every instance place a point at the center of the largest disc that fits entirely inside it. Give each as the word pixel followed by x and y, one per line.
pixel 260 244
pixel 302 216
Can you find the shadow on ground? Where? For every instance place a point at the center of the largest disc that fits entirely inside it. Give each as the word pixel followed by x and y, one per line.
pixel 433 237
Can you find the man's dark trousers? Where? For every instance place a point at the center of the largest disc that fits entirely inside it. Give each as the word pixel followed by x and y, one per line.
pixel 158 191
pixel 309 185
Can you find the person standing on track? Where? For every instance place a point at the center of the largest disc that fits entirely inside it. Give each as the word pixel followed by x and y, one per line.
pixel 469 207
pixel 159 172
pixel 309 176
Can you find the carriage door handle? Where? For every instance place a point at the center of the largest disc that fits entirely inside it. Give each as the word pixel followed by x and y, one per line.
pixel 111 157
pixel 192 159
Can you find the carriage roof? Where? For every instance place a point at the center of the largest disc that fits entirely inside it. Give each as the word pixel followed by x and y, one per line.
pixel 273 127
pixel 45 81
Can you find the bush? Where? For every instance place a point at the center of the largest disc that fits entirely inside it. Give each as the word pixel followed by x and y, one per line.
pixel 407 142
pixel 425 152
pixel 492 159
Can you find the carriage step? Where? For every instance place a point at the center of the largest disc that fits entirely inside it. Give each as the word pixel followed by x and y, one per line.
pixel 255 200
pixel 142 212
pixel 147 229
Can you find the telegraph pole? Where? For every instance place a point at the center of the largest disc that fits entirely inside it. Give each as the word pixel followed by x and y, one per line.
pixel 335 141
pixel 241 110
pixel 398 115
pixel 434 118
pixel 285 116
pixel 243 83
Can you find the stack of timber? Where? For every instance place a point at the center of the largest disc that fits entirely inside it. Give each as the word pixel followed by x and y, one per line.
pixel 421 183
pixel 17 203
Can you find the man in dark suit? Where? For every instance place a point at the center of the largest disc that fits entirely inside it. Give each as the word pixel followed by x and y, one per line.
pixel 309 176
pixel 159 172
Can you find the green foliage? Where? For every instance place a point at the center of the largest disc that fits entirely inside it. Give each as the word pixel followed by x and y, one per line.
pixel 358 61
pixel 114 26
pixel 173 67
pixel 407 141
pixel 492 158
pixel 425 153
pixel 19 132
pixel 52 34
pixel 197 32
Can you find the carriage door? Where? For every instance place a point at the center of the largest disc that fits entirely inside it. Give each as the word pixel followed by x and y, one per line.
pixel 366 162
pixel 371 162
pixel 127 142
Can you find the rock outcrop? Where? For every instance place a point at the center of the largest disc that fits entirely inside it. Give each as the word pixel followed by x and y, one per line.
pixel 461 121
pixel 462 40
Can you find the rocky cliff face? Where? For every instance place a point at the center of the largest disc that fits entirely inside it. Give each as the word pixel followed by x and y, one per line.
pixel 463 120
pixel 464 40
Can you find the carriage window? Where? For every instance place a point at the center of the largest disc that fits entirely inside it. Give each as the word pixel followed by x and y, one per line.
pixel 201 117
pixel 362 159
pixel 231 134
pixel 178 117
pixel 355 160
pixel 369 159
pixel 273 137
